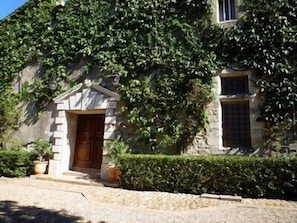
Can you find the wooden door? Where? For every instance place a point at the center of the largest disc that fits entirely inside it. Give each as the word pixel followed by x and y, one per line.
pixel 89 141
pixel 236 124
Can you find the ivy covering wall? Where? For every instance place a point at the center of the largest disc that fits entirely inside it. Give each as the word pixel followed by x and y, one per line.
pixel 265 39
pixel 165 51
pixel 161 49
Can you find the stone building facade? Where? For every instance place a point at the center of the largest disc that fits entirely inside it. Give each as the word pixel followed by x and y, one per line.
pixel 82 119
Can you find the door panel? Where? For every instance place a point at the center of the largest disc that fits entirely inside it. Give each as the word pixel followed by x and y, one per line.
pixel 83 153
pixel 89 141
pixel 236 124
pixel 98 141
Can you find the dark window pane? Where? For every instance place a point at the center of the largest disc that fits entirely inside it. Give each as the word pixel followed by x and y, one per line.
pixel 221 10
pixel 232 9
pixel 235 85
pixel 236 124
pixel 226 10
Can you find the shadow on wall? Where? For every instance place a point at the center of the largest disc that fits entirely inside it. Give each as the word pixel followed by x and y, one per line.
pixel 30 114
pixel 10 211
pixel 247 151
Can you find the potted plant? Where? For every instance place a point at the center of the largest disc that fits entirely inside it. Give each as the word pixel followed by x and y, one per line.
pixel 114 149
pixel 41 155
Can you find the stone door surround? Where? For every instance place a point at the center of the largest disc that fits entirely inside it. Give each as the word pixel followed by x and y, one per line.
pixel 88 98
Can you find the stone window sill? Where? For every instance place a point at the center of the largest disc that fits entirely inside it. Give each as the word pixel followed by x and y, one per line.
pixel 237 96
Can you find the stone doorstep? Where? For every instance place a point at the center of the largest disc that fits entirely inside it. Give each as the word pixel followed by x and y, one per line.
pixel 68 179
pixel 222 197
pixel 82 175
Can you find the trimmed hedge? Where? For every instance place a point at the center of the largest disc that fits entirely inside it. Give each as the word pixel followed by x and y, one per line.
pixel 246 176
pixel 15 163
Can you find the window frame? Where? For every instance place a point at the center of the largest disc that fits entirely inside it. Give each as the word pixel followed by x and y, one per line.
pixel 231 124
pixel 235 97
pixel 231 83
pixel 227 10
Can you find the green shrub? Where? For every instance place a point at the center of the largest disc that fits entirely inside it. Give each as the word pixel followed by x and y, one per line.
pixel 245 176
pixel 114 150
pixel 15 163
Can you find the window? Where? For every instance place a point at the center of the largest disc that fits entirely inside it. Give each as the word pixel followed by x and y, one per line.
pixel 235 113
pixel 236 124
pixel 226 10
pixel 235 85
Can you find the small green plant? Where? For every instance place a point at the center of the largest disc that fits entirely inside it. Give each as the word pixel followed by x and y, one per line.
pixel 114 150
pixel 42 150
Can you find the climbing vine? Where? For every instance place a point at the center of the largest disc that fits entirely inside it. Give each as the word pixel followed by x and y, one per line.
pixel 167 59
pixel 265 39
pixel 165 51
pixel 17 49
pixel 157 47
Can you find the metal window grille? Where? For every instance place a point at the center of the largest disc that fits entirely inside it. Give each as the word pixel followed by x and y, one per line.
pixel 226 10
pixel 236 124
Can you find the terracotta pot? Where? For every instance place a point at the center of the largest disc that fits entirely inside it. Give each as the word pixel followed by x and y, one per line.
pixel 40 167
pixel 114 175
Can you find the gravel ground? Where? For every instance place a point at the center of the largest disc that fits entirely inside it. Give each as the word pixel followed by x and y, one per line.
pixel 29 200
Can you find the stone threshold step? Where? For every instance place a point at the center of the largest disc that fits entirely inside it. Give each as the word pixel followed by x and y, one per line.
pixel 85 175
pixel 67 179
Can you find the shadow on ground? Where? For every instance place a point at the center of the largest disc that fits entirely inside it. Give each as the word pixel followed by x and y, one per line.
pixel 10 211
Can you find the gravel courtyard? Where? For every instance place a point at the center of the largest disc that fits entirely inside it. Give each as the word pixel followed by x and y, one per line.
pixel 32 200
